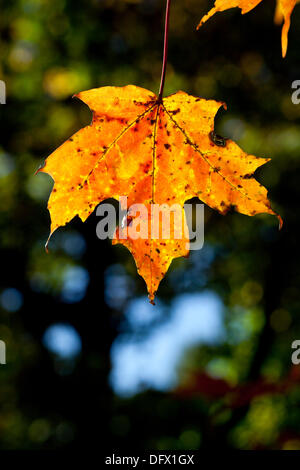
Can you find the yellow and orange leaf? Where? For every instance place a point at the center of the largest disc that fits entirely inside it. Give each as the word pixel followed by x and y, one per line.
pixel 284 9
pixel 152 152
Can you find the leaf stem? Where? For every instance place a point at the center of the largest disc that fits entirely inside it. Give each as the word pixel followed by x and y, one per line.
pixel 165 56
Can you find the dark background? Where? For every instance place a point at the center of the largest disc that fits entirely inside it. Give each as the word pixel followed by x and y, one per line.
pixel 240 391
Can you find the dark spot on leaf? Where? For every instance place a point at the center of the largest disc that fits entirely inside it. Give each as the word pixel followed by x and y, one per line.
pixel 146 166
pixel 217 139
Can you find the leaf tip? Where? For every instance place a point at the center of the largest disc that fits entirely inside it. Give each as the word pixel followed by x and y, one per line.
pixel 151 296
pixel 48 240
pixel 78 96
pixel 40 167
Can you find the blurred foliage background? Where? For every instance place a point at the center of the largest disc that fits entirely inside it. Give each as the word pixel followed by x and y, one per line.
pixel 89 361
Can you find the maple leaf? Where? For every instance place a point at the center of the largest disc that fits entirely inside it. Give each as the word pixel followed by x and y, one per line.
pixel 284 9
pixel 153 152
